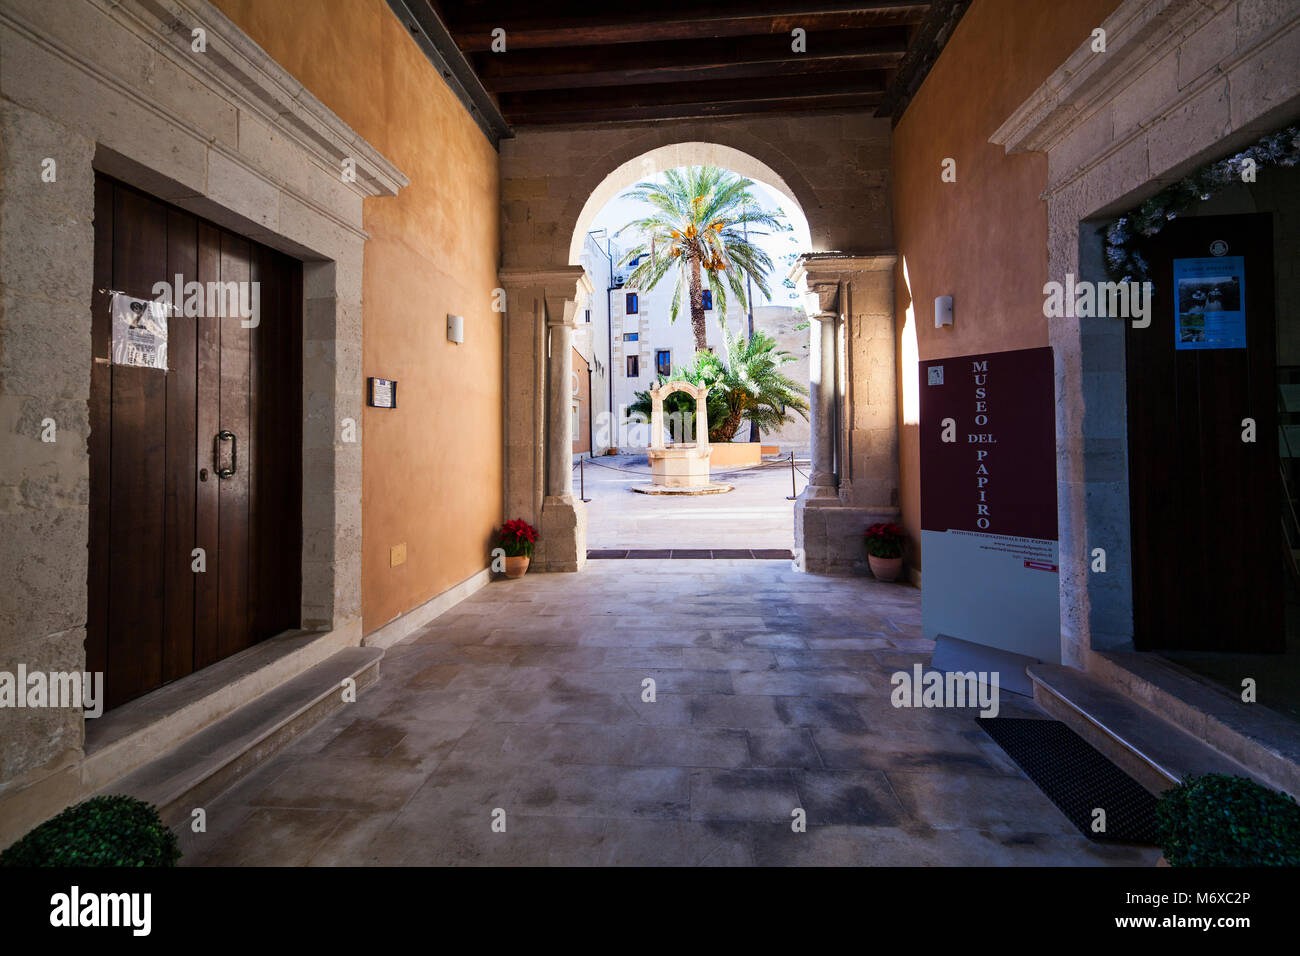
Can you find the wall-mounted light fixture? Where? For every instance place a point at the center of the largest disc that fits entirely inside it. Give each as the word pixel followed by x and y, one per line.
pixel 456 328
pixel 942 311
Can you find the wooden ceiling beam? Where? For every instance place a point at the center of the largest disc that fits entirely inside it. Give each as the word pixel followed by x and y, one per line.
pixel 532 32
pixel 780 87
pixel 712 74
pixel 662 111
pixel 698 60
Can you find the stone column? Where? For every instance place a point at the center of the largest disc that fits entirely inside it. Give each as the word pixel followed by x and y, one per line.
pixel 559 421
pixel 656 418
pixel 821 399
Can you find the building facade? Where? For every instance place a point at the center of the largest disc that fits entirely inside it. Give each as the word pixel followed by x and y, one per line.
pixel 212 140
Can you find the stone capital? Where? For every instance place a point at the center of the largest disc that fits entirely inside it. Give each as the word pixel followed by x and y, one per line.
pixel 555 281
pixel 818 276
pixel 565 289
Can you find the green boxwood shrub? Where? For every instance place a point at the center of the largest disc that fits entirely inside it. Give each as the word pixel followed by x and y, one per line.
pixel 1217 820
pixel 101 831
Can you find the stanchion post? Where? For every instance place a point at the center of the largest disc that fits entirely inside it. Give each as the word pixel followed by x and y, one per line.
pixel 582 479
pixel 792 495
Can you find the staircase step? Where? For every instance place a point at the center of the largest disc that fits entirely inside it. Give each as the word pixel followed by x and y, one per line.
pixel 1260 739
pixel 1156 753
pixel 215 759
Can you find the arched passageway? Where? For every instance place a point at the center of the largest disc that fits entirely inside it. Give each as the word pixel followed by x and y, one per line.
pixel 554 183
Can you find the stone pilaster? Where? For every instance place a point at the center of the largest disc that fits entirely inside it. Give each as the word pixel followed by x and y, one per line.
pixel 854 479
pixel 542 306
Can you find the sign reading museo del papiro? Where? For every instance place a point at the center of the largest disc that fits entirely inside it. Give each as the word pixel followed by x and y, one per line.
pixel 988 501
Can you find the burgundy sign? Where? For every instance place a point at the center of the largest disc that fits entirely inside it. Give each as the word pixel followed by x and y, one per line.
pixel 997 473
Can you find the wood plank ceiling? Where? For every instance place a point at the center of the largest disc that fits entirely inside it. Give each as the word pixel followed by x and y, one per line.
pixel 616 62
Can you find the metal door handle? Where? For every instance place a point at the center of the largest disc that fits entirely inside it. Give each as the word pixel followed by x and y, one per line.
pixel 225 435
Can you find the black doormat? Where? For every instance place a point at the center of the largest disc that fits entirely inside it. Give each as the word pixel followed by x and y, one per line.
pixel 705 554
pixel 1077 778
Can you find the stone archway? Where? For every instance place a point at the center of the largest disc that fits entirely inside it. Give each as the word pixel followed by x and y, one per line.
pixel 663 158
pixel 834 168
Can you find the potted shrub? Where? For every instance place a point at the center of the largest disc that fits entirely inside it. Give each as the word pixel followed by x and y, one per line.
pixel 1218 820
pixel 885 550
pixel 101 831
pixel 516 538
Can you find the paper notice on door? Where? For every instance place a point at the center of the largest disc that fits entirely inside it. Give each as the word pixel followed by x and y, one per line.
pixel 1210 303
pixel 139 332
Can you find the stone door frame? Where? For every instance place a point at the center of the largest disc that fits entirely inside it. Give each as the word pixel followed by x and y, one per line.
pixel 1182 82
pixel 224 132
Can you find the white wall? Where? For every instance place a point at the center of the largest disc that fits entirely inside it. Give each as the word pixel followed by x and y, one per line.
pixel 657 331
pixel 591 338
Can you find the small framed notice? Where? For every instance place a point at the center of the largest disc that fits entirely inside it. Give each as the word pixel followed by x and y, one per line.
pixel 382 393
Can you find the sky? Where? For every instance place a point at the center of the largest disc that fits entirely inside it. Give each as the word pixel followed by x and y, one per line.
pixel 619 211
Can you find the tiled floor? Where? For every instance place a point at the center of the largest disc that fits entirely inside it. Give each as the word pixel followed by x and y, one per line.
pixel 771 694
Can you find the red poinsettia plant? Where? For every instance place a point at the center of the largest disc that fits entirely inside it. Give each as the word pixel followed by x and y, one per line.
pixel 517 538
pixel 884 540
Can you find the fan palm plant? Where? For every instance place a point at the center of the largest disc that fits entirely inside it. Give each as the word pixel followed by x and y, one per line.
pixel 701 231
pixel 748 386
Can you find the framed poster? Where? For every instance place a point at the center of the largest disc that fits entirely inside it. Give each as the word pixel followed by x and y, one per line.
pixel 382 393
pixel 988 502
pixel 1210 303
pixel 139 334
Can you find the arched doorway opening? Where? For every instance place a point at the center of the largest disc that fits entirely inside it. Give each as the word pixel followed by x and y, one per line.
pixel 629 338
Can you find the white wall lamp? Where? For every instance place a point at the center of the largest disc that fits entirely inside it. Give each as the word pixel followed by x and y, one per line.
pixel 943 311
pixel 456 328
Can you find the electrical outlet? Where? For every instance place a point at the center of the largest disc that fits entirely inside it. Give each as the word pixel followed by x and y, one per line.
pixel 397 555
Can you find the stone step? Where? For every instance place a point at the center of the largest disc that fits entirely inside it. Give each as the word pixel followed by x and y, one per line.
pixel 1263 740
pixel 130 736
pixel 216 758
pixel 1153 751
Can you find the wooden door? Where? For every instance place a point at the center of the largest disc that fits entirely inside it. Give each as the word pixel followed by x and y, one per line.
pixel 1205 504
pixel 155 492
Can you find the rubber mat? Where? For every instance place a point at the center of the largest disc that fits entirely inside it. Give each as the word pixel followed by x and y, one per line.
pixel 715 554
pixel 1077 778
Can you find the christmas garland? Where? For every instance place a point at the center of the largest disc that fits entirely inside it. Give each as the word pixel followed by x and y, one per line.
pixel 1125 262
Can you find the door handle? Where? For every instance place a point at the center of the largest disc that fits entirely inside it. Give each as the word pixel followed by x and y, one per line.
pixel 225 435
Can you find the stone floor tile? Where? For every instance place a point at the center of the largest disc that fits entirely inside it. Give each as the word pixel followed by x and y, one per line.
pixel 754 795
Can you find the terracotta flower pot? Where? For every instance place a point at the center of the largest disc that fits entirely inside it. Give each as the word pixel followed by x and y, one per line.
pixel 885 569
pixel 515 567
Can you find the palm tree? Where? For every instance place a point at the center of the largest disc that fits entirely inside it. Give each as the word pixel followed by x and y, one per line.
pixel 700 230
pixel 749 385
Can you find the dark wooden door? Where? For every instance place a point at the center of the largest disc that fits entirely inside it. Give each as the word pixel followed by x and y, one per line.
pixel 155 492
pixel 1207 555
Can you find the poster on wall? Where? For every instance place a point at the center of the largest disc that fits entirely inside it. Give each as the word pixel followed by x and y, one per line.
pixel 139 332
pixel 988 502
pixel 1210 303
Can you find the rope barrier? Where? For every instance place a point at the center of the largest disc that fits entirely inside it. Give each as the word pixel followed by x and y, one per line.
pixel 721 474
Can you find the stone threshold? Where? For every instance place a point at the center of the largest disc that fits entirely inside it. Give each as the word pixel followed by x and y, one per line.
pixel 1265 742
pixel 703 554
pixel 210 762
pixel 1151 750
pixel 128 737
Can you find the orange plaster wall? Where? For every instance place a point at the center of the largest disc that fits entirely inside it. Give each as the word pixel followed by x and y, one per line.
pixel 983 238
pixel 432 468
